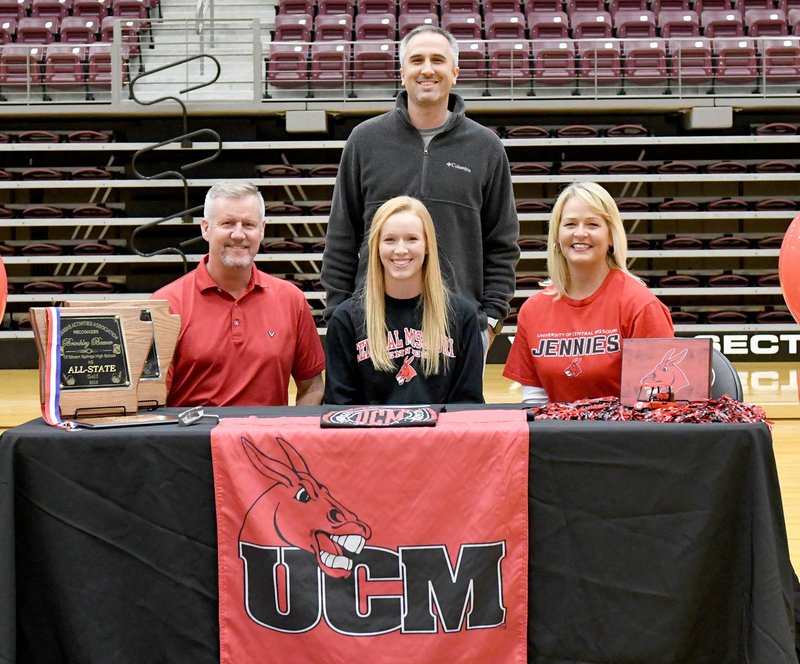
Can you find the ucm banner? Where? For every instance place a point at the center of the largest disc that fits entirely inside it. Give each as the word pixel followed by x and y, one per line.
pixel 379 545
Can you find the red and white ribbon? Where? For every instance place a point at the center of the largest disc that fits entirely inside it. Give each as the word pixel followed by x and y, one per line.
pixel 51 411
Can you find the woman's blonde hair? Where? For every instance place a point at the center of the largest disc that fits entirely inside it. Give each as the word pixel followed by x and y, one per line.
pixel 435 300
pixel 603 205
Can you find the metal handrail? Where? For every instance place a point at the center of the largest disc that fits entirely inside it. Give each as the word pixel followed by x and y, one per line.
pixel 185 140
pixel 202 11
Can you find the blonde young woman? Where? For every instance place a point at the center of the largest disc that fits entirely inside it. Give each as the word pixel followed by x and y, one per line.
pixel 406 338
pixel 568 344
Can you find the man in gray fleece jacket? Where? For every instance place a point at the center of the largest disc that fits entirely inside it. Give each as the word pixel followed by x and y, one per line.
pixel 427 148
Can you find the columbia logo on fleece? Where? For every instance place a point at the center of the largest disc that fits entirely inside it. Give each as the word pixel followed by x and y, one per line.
pixel 452 164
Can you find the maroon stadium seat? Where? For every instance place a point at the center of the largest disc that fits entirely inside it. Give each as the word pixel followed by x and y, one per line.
pixel 691 63
pixel 632 205
pixel 42 212
pixel 455 6
pixel 296 7
pixel 287 66
pixel 374 62
pixel 407 22
pixel 590 24
pixel 90 210
pixel 680 317
pixel 727 166
pixel 418 6
pixel 52 8
pixel 746 5
pixel 130 8
pixel 331 64
pixel 658 6
pixel 553 63
pixel 129 30
pixel 79 29
pixel 628 5
pixel 330 27
pixel 585 5
pixel 279 171
pixel 20 67
pixel 293 27
pixel 335 7
pixel 37 30
pixel 502 7
pixel 679 281
pixel 509 63
pixel 634 24
pixel 527 131
pixel 728 281
pixel 727 318
pixel 548 25
pixel 99 72
pixel 702 5
pixel 721 23
pixel 8 30
pixel 63 67
pixel 781 57
pixel 599 63
pixel 729 242
pixel 376 26
pixel 97 9
pixel 471 62
pixel 736 63
pixel 463 25
pixel 504 25
pixel 678 23
pixel 645 62
pixel 14 8
pixel 728 204
pixel 543 6
pixel 627 129
pixel 376 6
pixel 765 23
pixel 677 166
pixel 41 173
pixel 678 205
pixel 38 136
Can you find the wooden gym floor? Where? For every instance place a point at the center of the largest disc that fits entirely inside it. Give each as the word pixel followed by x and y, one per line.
pixel 771 385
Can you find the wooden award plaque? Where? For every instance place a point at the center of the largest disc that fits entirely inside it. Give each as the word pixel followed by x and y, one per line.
pixel 101 357
pixel 152 389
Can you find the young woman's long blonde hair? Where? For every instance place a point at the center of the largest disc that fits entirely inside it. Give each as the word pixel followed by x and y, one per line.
pixel 435 300
pixel 604 206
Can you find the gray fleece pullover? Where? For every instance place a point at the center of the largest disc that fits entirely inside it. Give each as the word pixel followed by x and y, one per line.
pixel 463 179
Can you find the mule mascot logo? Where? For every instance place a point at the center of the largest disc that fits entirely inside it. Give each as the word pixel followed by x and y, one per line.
pixel 668 372
pixel 574 368
pixel 407 372
pixel 301 512
pixel 287 590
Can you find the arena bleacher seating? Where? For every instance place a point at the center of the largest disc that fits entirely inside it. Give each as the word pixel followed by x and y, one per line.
pixel 705 213
pixel 523 51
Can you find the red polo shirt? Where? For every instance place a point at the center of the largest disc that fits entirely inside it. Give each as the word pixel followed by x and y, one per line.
pixel 239 352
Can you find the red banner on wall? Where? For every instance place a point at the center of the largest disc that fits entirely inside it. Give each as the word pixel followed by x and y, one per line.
pixel 380 545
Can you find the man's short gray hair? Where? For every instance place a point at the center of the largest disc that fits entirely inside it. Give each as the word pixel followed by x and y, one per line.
pixel 231 189
pixel 429 28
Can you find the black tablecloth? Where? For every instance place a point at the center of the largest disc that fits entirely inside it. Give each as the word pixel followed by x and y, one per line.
pixel 648 543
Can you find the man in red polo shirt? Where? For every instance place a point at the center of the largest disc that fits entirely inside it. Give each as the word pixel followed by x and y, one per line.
pixel 243 332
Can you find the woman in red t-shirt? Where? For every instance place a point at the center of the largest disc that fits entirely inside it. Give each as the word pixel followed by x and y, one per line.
pixel 568 344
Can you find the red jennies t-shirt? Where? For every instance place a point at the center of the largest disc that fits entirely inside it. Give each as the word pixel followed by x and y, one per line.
pixel 573 348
